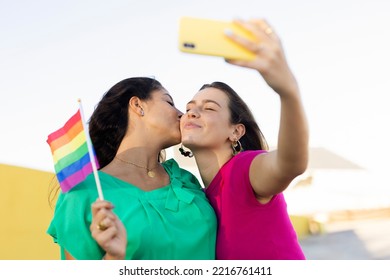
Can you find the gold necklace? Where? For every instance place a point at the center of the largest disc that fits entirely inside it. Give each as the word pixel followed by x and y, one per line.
pixel 150 171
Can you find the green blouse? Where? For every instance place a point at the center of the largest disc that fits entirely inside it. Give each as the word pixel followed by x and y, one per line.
pixel 172 222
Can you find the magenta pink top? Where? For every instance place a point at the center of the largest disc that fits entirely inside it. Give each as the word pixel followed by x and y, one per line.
pixel 248 230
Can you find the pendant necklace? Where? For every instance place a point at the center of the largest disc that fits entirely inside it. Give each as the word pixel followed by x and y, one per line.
pixel 150 171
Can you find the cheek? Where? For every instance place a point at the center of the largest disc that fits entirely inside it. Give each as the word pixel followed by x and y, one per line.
pixel 218 130
pixel 216 124
pixel 182 121
pixel 170 114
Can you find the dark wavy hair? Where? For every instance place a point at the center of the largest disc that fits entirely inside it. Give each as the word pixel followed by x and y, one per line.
pixel 108 123
pixel 253 139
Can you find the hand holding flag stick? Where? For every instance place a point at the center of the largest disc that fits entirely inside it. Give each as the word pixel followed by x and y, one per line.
pixel 73 153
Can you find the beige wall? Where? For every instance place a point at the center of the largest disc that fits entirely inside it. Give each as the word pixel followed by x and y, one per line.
pixel 25 214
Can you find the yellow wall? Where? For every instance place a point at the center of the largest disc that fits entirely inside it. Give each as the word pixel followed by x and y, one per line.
pixel 25 214
pixel 301 225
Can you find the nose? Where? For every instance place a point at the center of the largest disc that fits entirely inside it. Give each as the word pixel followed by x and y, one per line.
pixel 192 113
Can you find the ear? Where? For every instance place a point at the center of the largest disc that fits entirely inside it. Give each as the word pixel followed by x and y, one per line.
pixel 135 105
pixel 237 132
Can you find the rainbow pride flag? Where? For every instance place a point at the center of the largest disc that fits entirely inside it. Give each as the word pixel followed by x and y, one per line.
pixel 69 147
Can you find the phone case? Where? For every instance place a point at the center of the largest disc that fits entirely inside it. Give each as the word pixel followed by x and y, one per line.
pixel 207 37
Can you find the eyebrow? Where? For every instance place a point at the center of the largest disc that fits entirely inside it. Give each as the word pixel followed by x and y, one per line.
pixel 205 101
pixel 169 96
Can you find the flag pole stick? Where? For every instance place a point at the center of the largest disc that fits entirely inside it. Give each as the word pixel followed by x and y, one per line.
pixel 91 155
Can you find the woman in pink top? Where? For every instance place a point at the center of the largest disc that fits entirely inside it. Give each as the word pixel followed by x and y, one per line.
pixel 245 182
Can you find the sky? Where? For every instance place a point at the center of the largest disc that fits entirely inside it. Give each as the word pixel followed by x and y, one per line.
pixel 54 52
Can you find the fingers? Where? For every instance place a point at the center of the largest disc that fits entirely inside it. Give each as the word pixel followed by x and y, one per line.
pixel 105 237
pixel 270 60
pixel 107 229
pixel 113 240
pixel 102 215
pixel 242 41
pixel 261 30
pixel 263 27
pixel 100 204
pixel 104 223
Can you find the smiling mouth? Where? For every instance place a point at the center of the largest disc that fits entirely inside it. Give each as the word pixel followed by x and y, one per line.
pixel 190 126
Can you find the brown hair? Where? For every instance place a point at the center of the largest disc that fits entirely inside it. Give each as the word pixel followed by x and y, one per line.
pixel 253 139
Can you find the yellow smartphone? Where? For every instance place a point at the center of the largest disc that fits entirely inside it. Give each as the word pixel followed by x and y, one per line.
pixel 207 37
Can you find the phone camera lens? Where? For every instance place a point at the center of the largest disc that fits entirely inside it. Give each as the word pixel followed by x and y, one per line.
pixel 189 45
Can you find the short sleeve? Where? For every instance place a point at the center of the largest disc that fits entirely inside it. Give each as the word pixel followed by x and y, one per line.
pixel 70 224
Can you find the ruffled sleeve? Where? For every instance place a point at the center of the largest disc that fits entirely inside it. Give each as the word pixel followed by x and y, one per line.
pixel 70 224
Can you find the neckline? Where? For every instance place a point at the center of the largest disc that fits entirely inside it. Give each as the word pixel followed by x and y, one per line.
pixel 218 174
pixel 136 187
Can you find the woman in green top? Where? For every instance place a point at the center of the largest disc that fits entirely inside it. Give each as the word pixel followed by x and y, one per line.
pixel 159 207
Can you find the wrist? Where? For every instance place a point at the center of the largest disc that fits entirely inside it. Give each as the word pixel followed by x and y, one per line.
pixel 289 92
pixel 289 87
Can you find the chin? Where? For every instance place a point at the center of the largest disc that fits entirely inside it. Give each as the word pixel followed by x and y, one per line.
pixel 187 141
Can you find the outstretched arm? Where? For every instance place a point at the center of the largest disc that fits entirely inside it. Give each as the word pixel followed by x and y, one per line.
pixel 272 172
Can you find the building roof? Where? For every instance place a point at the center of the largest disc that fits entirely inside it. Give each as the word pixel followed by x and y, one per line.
pixel 321 158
